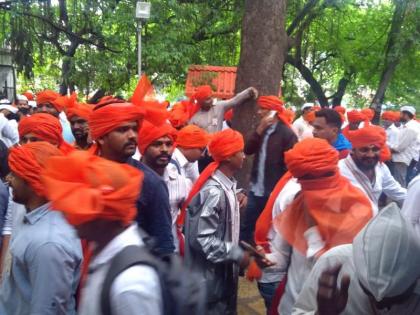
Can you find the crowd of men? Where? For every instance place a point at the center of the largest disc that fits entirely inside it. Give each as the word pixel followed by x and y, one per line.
pixel 326 225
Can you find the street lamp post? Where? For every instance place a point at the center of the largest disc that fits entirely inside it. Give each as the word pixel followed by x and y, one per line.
pixel 142 14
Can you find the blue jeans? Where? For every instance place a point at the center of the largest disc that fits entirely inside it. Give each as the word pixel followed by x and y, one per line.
pixel 252 212
pixel 267 291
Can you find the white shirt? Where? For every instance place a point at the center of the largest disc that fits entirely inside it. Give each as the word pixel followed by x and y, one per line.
pixel 411 207
pixel 392 135
pixel 384 182
pixel 136 291
pixel 187 169
pixel 14 216
pixel 179 187
pixel 406 146
pixel 302 128
pixel 8 131
pixel 279 252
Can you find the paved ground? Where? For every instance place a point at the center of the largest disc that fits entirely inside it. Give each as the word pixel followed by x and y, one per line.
pixel 249 299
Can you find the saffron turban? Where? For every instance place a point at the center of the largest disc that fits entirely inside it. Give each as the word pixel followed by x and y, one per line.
pixel 202 93
pixel 339 209
pixel 223 145
pixel 81 110
pixel 272 102
pixel 340 109
pixel 86 187
pixel 369 113
pixel 192 136
pixel 391 116
pixel 29 95
pixel 45 127
pixel 46 96
pixel 312 156
pixel 180 113
pixel 355 116
pixel 28 160
pixel 106 118
pixel 62 102
pixel 369 135
pixel 149 133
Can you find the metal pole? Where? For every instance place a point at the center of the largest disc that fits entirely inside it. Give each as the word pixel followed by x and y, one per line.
pixel 139 47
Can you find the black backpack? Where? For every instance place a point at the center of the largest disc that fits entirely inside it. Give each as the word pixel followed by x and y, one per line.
pixel 182 292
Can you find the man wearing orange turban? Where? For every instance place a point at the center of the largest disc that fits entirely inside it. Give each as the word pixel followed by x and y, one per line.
pixel 78 116
pixel 390 121
pixel 114 125
pixel 209 114
pixel 369 113
pixel 50 102
pixel 45 102
pixel 191 143
pixel 43 127
pixel 268 143
pixel 364 167
pixel 354 118
pixel 106 194
pixel 46 253
pixel 319 211
pixel 156 145
pixel 212 224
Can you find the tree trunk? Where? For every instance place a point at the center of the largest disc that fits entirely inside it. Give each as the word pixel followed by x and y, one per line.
pixel 263 48
pixel 341 89
pixel 65 75
pixel 394 50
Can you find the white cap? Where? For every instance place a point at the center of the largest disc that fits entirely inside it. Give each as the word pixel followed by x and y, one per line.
pixel 409 109
pixel 21 97
pixel 306 105
pixel 32 104
pixel 9 107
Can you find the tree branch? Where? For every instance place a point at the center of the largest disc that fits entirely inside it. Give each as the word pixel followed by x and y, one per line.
pixel 301 16
pixel 70 34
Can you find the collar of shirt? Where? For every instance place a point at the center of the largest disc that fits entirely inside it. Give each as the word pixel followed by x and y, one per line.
pixel 35 215
pixel 357 169
pixel 169 174
pixel 225 181
pixel 180 158
pixel 129 236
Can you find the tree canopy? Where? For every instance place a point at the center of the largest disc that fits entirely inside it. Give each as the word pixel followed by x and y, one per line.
pixel 337 48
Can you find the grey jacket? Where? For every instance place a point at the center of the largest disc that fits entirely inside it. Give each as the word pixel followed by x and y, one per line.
pixel 208 241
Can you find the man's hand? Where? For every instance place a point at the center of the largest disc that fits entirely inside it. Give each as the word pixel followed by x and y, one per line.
pixel 242 199
pixel 245 260
pixel 331 299
pixel 266 122
pixel 263 262
pixel 253 93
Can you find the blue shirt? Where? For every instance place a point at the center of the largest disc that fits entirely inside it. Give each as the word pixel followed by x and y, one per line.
pixel 45 266
pixel 258 187
pixel 153 210
pixel 342 143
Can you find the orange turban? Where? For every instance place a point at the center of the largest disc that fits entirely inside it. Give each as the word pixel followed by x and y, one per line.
pixel 45 127
pixel 181 113
pixel 290 115
pixel 369 135
pixel 355 116
pixel 369 113
pixel 223 145
pixel 391 116
pixel 310 116
pixel 86 187
pixel 202 93
pixel 29 95
pixel 272 102
pixel 149 133
pixel 340 109
pixel 81 110
pixel 192 136
pixel 312 156
pixel 106 118
pixel 339 209
pixel 46 96
pixel 28 160
pixel 62 102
